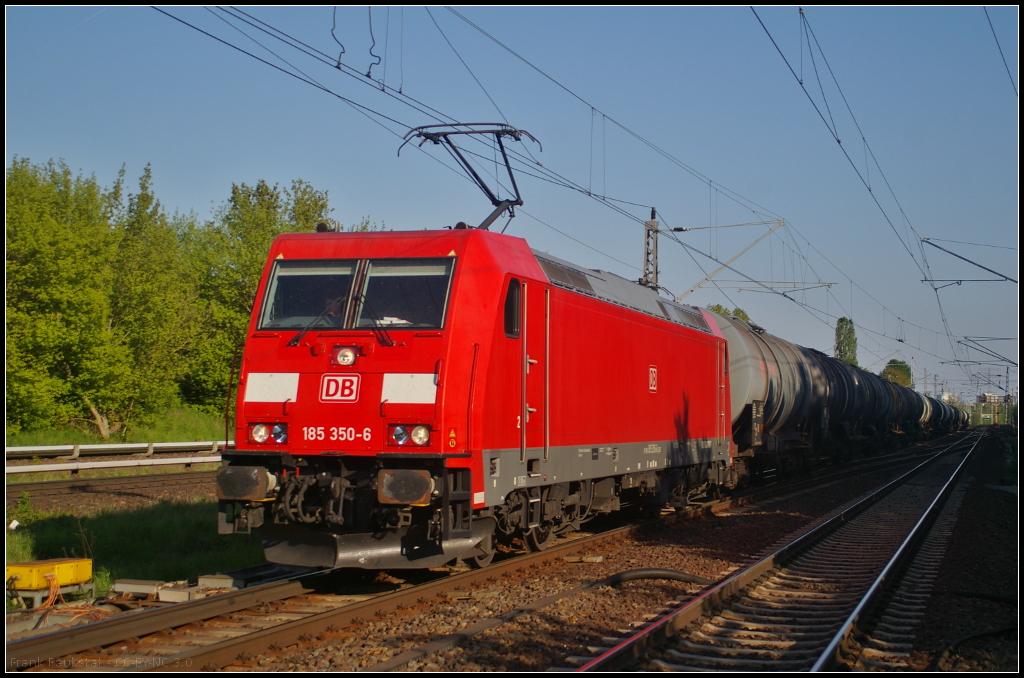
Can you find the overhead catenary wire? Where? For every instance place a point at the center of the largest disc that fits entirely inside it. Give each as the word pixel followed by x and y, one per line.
pixel 1000 48
pixel 551 176
pixel 760 211
pixel 922 265
pixel 363 110
pixel 415 104
pixel 276 67
pixel 756 208
pixel 470 70
pixel 976 244
pixel 835 136
pixel 536 170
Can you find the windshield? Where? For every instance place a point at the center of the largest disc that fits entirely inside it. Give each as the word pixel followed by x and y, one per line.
pixel 405 293
pixel 300 291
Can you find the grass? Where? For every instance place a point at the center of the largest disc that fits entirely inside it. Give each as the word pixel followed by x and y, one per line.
pixel 169 541
pixel 179 424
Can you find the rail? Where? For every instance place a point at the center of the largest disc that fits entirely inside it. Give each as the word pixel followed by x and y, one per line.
pixel 831 657
pixel 625 653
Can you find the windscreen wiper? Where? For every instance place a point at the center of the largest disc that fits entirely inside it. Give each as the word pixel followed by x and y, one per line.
pixel 378 326
pixel 333 306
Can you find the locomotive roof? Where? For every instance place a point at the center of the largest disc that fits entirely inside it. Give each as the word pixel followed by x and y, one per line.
pixel 619 291
pixel 599 284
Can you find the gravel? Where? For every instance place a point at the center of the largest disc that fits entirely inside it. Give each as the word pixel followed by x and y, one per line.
pixel 981 557
pixel 708 547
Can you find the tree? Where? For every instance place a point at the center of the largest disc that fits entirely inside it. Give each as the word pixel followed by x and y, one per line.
pixel 227 257
pixel 155 312
pixel 99 309
pixel 116 311
pixel 846 342
pixel 63 362
pixel 736 312
pixel 898 372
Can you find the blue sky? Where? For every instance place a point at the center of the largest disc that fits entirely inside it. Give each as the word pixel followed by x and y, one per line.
pixel 102 88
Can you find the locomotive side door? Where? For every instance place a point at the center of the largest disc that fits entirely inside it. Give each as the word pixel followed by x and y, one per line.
pixel 536 326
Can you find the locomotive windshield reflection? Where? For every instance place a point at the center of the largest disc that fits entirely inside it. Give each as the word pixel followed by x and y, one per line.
pixel 398 293
pixel 303 291
pixel 405 293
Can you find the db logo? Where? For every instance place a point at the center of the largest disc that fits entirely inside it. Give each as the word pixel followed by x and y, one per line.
pixel 652 379
pixel 339 388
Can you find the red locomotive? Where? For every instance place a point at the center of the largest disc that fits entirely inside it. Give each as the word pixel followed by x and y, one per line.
pixel 408 399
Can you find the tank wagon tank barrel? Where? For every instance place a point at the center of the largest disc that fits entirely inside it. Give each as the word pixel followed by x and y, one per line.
pixel 779 386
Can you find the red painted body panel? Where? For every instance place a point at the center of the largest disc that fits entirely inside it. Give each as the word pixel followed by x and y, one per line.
pixel 597 381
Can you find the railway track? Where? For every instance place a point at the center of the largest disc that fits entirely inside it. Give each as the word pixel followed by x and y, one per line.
pixel 218 630
pixel 119 484
pixel 222 626
pixel 50 488
pixel 797 608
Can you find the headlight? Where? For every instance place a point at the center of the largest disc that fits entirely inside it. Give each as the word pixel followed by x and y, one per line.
pixel 343 355
pixel 273 433
pixel 260 433
pixel 408 434
pixel 421 435
pixel 400 435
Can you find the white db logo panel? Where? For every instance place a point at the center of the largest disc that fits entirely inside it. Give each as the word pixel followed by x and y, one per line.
pixel 339 388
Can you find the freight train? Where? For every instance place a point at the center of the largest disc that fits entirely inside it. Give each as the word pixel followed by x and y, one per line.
pixel 409 399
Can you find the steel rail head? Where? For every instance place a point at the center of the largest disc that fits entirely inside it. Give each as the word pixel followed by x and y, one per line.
pixel 721 592
pixel 32 651
pixel 36 650
pixel 831 655
pixel 55 487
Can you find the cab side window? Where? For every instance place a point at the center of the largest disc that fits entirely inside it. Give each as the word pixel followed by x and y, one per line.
pixel 512 308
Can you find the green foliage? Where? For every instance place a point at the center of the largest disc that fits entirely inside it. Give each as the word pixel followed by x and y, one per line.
pixel 63 359
pixel 117 312
pixel 846 342
pixel 167 541
pixel 178 424
pixel 736 312
pixel 363 226
pixel 898 372
pixel 23 511
pixel 227 258
pixel 155 313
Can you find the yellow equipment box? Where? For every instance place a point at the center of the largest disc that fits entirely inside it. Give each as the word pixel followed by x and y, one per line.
pixel 32 575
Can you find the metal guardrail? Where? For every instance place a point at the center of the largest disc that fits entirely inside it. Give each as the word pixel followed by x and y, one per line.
pixel 148 449
pixel 75 467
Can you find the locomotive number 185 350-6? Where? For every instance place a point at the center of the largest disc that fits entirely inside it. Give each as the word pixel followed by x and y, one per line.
pixel 341 433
